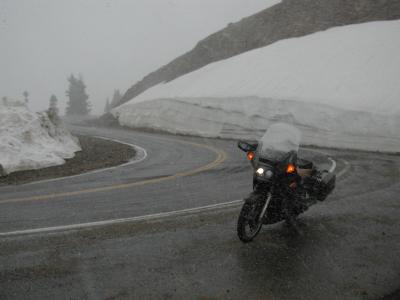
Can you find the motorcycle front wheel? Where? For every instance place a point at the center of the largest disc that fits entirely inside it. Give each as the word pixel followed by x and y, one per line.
pixel 249 223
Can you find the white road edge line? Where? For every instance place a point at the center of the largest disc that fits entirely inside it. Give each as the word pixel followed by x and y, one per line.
pixel 138 149
pixel 345 169
pixel 333 167
pixel 145 217
pixel 122 220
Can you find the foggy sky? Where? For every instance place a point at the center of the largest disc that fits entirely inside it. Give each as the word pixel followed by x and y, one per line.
pixel 112 44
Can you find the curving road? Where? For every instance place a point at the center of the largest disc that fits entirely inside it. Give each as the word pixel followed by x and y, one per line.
pixel 101 235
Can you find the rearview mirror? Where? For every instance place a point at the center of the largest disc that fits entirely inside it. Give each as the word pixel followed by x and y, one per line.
pixel 246 147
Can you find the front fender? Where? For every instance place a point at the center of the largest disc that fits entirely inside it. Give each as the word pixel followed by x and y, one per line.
pixel 259 194
pixel 260 187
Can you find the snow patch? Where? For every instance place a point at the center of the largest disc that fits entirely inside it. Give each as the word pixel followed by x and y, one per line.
pixel 249 117
pixel 340 86
pixel 31 140
pixel 353 67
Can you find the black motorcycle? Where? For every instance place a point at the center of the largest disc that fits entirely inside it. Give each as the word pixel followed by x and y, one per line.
pixel 284 185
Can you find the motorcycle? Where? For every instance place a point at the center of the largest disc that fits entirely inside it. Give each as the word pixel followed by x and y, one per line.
pixel 284 185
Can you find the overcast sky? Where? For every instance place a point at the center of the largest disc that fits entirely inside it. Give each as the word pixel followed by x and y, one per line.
pixel 112 44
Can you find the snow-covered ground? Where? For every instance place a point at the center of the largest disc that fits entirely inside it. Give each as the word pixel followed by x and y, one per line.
pixel 30 140
pixel 340 86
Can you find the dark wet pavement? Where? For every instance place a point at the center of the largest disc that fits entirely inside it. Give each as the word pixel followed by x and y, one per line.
pixel 344 248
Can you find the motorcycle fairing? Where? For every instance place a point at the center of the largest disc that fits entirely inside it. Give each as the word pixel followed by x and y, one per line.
pixel 278 140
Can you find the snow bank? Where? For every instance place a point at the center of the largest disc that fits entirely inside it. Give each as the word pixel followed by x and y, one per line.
pixel 249 117
pixel 31 140
pixel 342 86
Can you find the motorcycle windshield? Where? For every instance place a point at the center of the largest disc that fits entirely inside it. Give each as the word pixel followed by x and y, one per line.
pixel 278 140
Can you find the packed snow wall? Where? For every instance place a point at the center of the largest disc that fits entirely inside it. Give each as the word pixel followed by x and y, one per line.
pixel 341 86
pixel 30 140
pixel 249 117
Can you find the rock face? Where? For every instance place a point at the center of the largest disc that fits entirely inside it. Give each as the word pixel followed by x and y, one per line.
pixel 288 19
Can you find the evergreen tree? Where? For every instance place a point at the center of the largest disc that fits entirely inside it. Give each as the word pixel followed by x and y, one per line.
pixel 53 103
pixel 116 98
pixel 78 103
pixel 53 108
pixel 5 100
pixel 107 107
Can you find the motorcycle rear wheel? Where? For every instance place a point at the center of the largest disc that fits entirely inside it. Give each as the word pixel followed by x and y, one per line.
pixel 249 223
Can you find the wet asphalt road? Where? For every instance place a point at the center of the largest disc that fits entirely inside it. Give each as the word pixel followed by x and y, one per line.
pixel 346 248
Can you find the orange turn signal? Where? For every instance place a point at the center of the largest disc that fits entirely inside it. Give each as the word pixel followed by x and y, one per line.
pixel 250 155
pixel 290 168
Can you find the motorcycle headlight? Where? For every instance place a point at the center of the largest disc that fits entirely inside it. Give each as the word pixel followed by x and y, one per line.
pixel 264 173
pixel 260 171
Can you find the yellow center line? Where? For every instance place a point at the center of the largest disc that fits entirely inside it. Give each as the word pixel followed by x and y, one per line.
pixel 221 157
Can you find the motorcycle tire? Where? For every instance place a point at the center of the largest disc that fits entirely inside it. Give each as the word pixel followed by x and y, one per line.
pixel 247 217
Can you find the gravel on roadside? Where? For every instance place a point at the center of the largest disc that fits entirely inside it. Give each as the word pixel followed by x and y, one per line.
pixel 96 154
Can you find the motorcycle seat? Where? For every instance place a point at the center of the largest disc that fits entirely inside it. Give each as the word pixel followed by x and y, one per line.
pixel 304 164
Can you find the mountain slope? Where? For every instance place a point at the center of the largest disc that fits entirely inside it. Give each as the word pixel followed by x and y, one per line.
pixel 290 18
pixel 331 84
pixel 354 67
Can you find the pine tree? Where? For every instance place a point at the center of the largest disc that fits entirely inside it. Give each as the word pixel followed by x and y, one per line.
pixel 116 98
pixel 78 103
pixel 53 103
pixel 107 107
pixel 53 108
